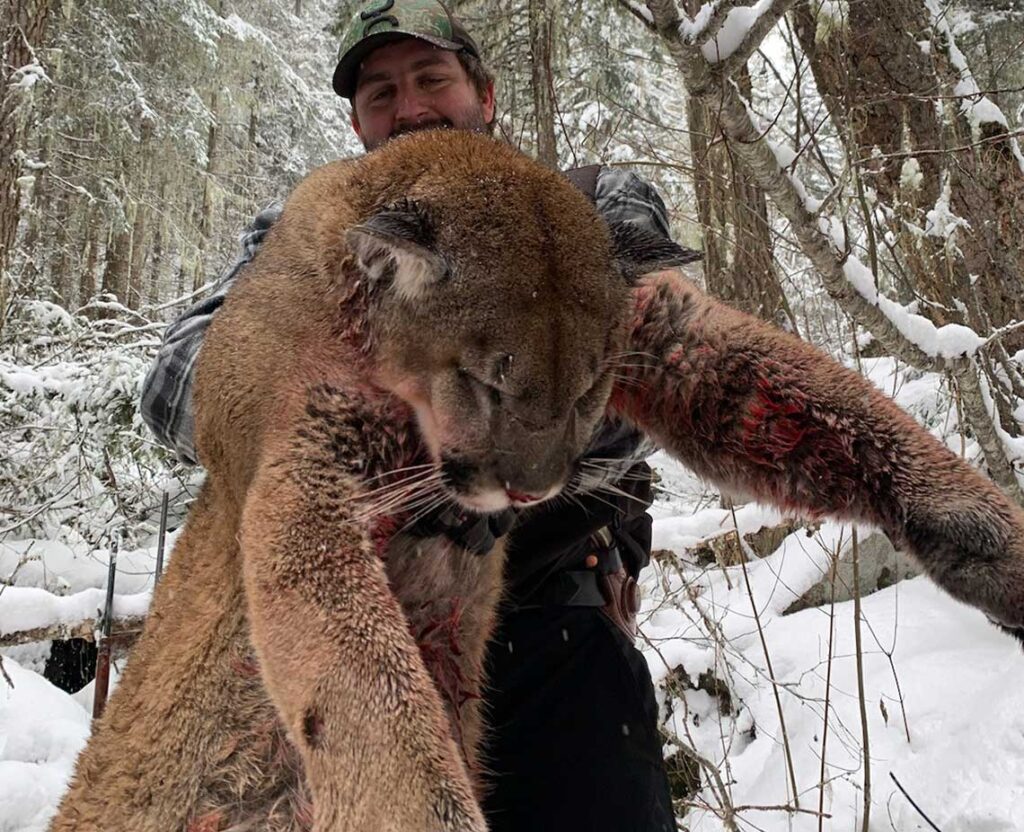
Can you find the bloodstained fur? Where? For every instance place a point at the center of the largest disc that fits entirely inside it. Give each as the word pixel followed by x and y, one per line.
pixel 765 415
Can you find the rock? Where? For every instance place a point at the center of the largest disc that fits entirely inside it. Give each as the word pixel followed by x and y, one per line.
pixel 684 775
pixel 880 566
pixel 725 549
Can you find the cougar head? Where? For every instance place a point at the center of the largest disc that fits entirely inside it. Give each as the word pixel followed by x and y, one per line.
pixel 498 307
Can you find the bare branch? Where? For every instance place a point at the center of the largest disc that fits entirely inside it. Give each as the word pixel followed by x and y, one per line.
pixel 913 803
pixel 666 18
pixel 637 12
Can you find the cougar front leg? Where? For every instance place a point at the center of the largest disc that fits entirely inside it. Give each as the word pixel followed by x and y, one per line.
pixel 763 413
pixel 334 646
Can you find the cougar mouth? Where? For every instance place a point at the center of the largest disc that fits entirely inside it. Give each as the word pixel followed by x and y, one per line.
pixel 469 485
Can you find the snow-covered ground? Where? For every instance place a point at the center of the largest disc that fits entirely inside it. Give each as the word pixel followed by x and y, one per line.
pixel 931 667
pixel 959 681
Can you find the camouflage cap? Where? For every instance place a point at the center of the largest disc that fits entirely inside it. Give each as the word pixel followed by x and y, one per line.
pixel 378 22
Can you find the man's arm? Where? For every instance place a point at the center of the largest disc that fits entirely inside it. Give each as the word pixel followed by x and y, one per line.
pixel 166 404
pixel 622 196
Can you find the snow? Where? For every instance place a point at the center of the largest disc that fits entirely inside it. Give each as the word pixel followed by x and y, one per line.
pixel 26 77
pixel 940 221
pixel 691 29
pixel 979 109
pixel 26 608
pixel 910 175
pixel 961 683
pixel 730 37
pixel 948 341
pixel 831 16
pixel 42 729
pixel 60 568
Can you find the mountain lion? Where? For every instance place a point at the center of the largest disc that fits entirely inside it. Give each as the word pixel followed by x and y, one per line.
pixel 445 320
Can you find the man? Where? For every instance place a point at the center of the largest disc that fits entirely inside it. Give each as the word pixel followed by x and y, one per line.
pixel 574 742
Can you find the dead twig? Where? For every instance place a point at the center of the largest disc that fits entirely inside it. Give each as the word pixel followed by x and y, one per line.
pixel 828 688
pixel 859 649
pixel 917 808
pixel 768 662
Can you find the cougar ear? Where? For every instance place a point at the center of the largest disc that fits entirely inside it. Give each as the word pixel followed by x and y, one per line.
pixel 397 244
pixel 639 251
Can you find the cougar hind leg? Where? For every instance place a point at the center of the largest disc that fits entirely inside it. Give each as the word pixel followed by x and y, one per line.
pixel 189 735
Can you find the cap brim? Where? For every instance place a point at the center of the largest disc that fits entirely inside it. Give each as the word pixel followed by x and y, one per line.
pixel 347 70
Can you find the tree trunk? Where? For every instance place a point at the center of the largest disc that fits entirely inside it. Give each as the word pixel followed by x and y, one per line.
pixel 205 220
pixel 733 214
pixel 117 263
pixel 542 80
pixel 157 260
pixel 87 283
pixel 140 222
pixel 23 30
pixel 900 113
pixel 206 209
pixel 61 272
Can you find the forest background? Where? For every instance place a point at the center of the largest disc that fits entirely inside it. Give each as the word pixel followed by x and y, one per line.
pixel 850 168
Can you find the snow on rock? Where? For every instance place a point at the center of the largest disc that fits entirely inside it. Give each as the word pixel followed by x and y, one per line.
pixel 42 729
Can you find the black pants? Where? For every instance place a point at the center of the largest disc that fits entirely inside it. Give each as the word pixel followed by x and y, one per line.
pixel 574 742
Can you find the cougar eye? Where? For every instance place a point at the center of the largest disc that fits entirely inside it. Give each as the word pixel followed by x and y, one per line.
pixel 493 393
pixel 589 399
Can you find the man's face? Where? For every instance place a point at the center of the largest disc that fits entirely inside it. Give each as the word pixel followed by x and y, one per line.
pixel 410 85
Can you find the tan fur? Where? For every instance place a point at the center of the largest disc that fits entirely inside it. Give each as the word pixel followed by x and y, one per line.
pixel 284 677
pixel 284 663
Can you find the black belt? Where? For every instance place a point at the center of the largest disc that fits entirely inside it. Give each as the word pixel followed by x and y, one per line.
pixel 569 588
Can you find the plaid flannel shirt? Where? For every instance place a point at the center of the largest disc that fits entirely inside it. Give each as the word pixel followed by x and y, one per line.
pixel 166 404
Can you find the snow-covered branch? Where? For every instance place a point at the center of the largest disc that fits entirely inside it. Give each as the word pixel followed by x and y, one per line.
pixel 752 26
pixel 977 108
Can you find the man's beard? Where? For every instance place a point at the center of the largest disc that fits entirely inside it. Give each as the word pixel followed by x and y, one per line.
pixel 471 119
